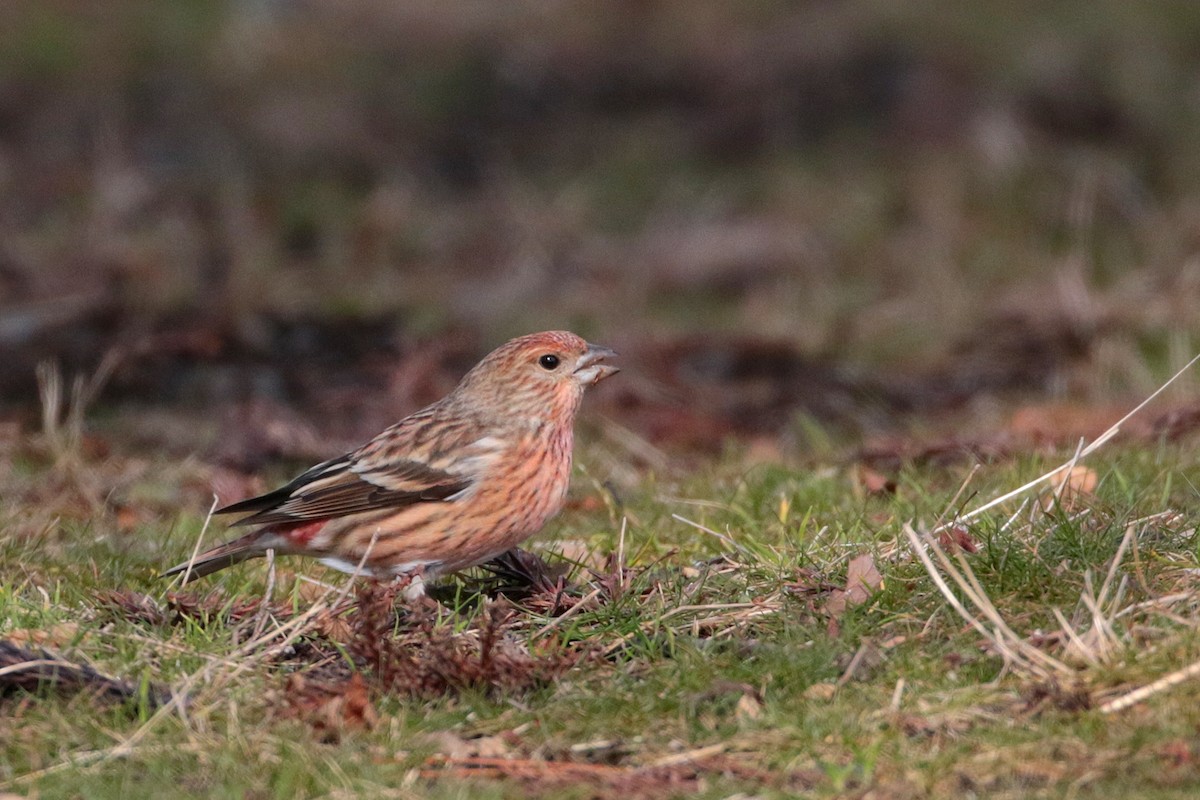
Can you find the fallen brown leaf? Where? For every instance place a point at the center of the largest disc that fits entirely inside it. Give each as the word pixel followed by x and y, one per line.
pixel 1176 752
pixel 127 518
pixel 57 636
pixel 862 579
pixel 821 691
pixel 871 482
pixel 749 707
pixel 957 538
pixel 1071 488
pixel 454 747
pixel 331 709
pixel 1063 422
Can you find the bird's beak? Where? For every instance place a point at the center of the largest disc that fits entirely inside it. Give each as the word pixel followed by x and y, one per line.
pixel 591 368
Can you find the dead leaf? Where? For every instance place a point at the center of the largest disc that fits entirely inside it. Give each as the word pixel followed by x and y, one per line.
pixel 1176 752
pixel 764 450
pixel 356 710
pixel 56 636
pixel 332 708
pixel 749 707
pixel 1072 488
pixel 873 484
pixel 1063 422
pixel 862 579
pixel 333 627
pixel 128 518
pixel 454 747
pixel 307 591
pixel 957 538
pixel 821 691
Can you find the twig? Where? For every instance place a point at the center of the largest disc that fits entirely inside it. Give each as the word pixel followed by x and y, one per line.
pixel 855 662
pixel 962 487
pixel 1079 454
pixel 12 669
pixel 292 629
pixel 688 756
pixel 1015 650
pixel 187 573
pixel 728 541
pixel 1162 684
pixel 554 623
pixel 264 610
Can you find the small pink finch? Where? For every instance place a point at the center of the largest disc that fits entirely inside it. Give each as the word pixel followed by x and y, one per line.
pixel 453 485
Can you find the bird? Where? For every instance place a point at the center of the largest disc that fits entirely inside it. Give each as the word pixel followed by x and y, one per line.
pixel 451 486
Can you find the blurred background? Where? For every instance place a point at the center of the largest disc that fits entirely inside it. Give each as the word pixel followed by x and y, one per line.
pixel 286 223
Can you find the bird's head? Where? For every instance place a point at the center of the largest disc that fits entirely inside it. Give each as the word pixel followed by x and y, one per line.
pixel 537 374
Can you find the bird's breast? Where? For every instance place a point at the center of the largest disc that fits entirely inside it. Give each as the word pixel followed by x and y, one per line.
pixel 531 484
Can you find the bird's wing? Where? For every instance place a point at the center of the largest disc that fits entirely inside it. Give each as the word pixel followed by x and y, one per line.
pixel 368 479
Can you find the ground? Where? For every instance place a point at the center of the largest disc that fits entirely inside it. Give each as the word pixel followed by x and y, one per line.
pixel 871 270
pixel 750 626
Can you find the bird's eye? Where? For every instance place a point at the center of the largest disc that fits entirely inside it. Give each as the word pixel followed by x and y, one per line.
pixel 549 361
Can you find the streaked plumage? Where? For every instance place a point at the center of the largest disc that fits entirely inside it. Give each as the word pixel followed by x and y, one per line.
pixel 453 485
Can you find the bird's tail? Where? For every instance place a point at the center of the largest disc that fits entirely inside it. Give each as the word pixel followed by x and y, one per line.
pixel 252 545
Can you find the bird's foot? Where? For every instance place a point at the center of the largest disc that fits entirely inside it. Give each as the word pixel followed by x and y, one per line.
pixel 412 588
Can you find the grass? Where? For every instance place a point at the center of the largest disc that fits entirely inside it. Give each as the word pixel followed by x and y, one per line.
pixel 710 664
pixel 699 648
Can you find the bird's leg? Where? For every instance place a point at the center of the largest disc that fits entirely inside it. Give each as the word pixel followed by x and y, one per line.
pixel 410 583
pixel 415 590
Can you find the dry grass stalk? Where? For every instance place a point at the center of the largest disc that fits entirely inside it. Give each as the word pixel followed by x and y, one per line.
pixel 1080 453
pixel 187 573
pixel 586 602
pixel 1094 646
pixel 1136 696
pixel 63 427
pixel 728 541
pixel 240 660
pixel 1017 652
pixel 31 669
pixel 62 417
pixel 1099 642
pixel 734 617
